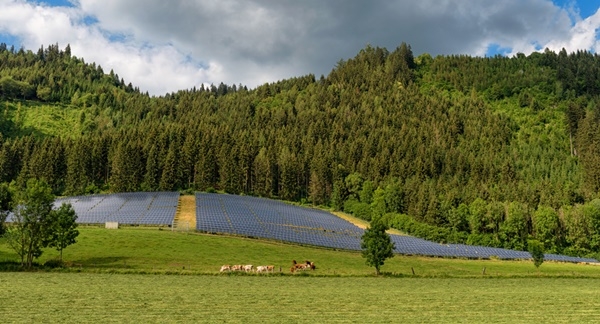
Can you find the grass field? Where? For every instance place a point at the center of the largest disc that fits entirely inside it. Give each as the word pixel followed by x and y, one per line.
pixel 143 250
pixel 150 275
pixel 88 297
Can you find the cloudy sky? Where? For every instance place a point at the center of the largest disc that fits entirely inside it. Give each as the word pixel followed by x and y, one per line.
pixel 163 46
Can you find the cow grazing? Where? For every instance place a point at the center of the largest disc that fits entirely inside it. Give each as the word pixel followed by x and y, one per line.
pixel 303 266
pixel 261 269
pixel 237 267
pixel 270 268
pixel 225 268
pixel 248 268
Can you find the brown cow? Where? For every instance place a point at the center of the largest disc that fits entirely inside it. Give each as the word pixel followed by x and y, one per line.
pixel 302 266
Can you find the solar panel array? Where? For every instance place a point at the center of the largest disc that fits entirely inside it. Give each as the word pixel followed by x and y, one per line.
pixel 257 217
pixel 131 208
pixel 265 218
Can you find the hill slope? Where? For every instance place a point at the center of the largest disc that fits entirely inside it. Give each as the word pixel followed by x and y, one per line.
pixel 481 150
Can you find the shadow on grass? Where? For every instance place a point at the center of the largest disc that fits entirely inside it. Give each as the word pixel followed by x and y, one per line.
pixel 101 262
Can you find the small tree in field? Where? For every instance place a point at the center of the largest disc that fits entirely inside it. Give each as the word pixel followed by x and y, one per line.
pixel 32 222
pixel 64 228
pixel 376 244
pixel 536 248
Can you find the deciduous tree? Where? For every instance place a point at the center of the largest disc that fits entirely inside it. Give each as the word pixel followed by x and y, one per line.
pixel 32 221
pixel 63 228
pixel 376 245
pixel 536 248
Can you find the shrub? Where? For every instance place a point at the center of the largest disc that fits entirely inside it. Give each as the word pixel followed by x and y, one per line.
pixel 536 248
pixel 358 209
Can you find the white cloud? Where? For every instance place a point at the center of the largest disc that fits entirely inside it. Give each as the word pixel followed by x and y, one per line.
pixel 583 35
pixel 164 46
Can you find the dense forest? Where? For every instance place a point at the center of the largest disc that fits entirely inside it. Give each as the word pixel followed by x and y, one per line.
pixel 481 150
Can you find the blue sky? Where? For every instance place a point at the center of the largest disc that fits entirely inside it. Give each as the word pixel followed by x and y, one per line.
pixel 586 7
pixel 164 46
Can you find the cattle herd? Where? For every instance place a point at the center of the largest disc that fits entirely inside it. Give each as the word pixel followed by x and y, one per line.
pixel 306 265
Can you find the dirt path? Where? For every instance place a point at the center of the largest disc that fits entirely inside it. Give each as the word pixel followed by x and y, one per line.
pixel 186 215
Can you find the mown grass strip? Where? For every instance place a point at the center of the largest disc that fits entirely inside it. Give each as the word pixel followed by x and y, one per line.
pixel 55 297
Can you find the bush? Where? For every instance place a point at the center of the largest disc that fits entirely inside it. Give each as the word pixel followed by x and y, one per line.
pixel 358 209
pixel 54 263
pixel 536 248
pixel 408 225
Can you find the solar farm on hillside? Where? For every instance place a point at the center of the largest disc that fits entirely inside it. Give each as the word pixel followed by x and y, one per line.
pixel 265 218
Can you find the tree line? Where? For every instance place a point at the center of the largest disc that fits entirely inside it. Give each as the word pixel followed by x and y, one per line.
pixel 478 148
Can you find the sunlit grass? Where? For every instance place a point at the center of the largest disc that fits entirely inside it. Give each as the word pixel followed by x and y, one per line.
pixel 86 297
pixel 142 250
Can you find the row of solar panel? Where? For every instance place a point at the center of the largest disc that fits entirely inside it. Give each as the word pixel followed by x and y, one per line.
pixel 251 216
pixel 269 211
pixel 135 208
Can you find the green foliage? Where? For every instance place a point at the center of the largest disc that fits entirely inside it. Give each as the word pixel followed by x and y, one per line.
pixel 513 230
pixel 536 248
pixel 338 196
pixel 458 217
pixel 546 227
pixel 376 245
pixel 434 134
pixel 394 198
pixel 359 209
pixel 64 228
pixel 354 183
pixel 6 202
pixel 367 192
pixel 477 211
pixel 378 205
pixel 433 233
pixel 32 221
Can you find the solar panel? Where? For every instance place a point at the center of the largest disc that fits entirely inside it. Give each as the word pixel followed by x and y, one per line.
pixel 265 218
pixel 131 208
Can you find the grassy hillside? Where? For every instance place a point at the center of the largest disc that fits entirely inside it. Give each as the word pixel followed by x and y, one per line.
pixel 24 118
pixel 149 250
pixel 490 151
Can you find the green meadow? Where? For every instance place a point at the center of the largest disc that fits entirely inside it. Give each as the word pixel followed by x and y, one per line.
pixel 150 250
pixel 89 297
pixel 152 275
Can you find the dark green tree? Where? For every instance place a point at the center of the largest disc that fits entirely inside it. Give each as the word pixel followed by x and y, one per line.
pixel 536 248
pixel 376 245
pixel 6 198
pixel 64 228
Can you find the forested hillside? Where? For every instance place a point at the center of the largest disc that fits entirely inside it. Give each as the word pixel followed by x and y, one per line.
pixel 489 150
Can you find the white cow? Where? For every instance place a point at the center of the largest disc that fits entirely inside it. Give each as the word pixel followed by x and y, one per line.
pixel 248 268
pixel 226 267
pixel 261 269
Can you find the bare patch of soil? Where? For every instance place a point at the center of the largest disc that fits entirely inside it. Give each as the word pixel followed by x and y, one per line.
pixel 186 215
